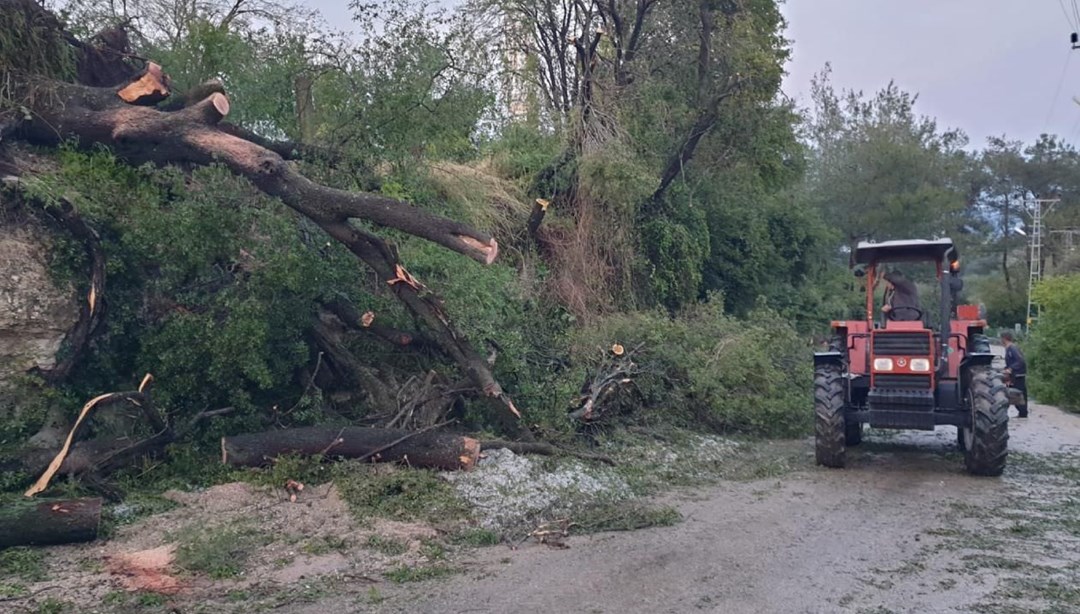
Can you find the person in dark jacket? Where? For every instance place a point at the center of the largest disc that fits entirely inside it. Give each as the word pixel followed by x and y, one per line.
pixel 901 297
pixel 1015 370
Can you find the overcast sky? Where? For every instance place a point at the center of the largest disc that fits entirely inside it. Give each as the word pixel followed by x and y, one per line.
pixel 988 67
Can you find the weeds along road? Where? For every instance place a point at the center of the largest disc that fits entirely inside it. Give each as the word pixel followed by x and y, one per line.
pixel 902 529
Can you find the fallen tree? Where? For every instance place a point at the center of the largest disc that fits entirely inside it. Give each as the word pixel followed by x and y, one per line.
pixel 107 103
pixel 45 522
pixel 426 448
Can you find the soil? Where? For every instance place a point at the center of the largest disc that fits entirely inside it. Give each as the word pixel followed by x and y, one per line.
pixel 902 529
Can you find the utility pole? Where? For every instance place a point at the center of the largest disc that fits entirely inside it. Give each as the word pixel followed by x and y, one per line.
pixel 1035 207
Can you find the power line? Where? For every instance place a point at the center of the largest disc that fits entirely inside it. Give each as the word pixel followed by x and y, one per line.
pixel 1057 91
pixel 1072 24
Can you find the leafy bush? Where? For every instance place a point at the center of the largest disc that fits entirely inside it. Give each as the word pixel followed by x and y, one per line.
pixel 708 369
pixel 1053 352
pixel 1004 306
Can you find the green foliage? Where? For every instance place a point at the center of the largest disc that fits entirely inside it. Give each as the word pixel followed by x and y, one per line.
pixel 709 370
pixel 1053 352
pixel 397 494
pixel 31 45
pixel 519 153
pixel 1004 307
pixel 878 170
pixel 676 256
pixel 212 287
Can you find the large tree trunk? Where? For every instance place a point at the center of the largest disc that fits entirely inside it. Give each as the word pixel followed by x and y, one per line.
pixel 434 450
pixel 43 522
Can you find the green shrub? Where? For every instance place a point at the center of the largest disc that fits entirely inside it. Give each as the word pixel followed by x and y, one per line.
pixel 1053 351
pixel 1004 306
pixel 707 369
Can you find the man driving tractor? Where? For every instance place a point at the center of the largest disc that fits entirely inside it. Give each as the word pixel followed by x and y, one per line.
pixel 901 297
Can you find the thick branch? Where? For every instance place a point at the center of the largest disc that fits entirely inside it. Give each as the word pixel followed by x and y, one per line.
pixel 681 157
pixel 368 322
pixel 98 116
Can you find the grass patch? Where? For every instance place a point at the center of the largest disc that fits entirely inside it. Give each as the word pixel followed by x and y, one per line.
pixel 219 552
pixel 325 545
pixel 13 590
pixel 308 470
pixel 398 494
pixel 23 562
pixel 1054 591
pixel 983 561
pixel 405 573
pixel 386 545
pixel 622 516
pixel 52 605
pixel 1058 465
pixel 137 506
pixel 476 537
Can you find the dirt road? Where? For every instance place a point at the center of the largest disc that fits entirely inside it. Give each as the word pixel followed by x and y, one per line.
pixel 903 529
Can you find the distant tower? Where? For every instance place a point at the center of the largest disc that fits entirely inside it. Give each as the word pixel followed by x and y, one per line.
pixel 515 88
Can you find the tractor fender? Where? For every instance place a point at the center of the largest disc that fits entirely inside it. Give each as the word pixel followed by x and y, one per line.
pixel 979 359
pixel 828 358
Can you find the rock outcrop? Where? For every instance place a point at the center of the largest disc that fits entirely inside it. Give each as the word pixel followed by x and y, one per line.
pixel 35 313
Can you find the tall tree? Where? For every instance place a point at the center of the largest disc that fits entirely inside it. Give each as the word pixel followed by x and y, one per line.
pixel 879 170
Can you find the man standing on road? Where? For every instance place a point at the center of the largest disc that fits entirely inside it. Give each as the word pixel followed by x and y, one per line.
pixel 1016 370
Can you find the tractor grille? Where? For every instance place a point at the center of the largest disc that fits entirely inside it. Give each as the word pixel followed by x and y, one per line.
pixel 902 382
pixel 901 344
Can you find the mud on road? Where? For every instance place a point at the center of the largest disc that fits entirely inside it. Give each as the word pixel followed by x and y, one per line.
pixel 902 529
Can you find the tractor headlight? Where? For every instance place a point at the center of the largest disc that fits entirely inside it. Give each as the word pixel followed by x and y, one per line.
pixel 883 364
pixel 920 365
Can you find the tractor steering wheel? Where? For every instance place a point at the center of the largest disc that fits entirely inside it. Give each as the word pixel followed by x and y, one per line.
pixel 918 313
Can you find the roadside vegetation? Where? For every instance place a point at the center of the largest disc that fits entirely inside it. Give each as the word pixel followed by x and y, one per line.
pixel 674 237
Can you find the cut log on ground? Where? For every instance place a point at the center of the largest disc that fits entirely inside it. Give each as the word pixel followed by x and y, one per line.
pixel 45 522
pixel 435 450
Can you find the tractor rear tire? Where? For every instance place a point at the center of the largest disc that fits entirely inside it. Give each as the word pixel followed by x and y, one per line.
pixel 986 443
pixel 980 344
pixel 829 430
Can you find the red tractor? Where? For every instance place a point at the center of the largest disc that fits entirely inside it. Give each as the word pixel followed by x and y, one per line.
pixel 903 374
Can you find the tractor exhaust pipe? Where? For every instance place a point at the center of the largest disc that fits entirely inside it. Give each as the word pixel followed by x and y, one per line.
pixel 944 329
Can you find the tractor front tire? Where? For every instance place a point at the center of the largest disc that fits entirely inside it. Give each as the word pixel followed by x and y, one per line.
pixel 986 443
pixel 829 430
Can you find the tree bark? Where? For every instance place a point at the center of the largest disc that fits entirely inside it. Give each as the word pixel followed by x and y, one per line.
pixel 436 450
pixel 44 522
